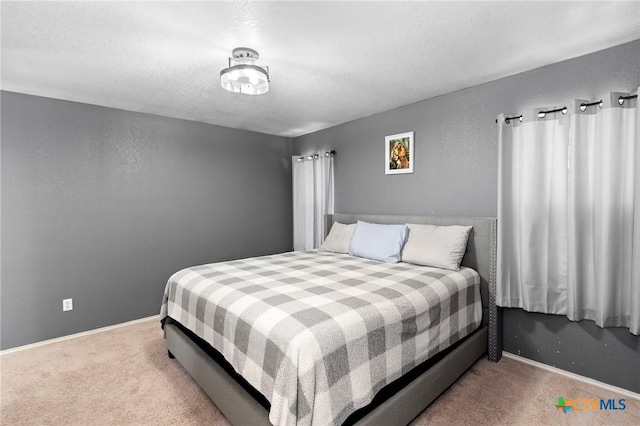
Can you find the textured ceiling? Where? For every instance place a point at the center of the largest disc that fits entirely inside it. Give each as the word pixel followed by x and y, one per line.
pixel 330 62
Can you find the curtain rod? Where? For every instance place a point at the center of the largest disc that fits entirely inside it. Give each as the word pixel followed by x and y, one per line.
pixel 316 156
pixel 621 99
pixel 583 107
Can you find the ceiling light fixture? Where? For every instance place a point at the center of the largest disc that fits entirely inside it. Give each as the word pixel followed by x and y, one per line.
pixel 244 75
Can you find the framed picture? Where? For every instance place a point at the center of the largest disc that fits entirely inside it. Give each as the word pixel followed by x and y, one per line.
pixel 398 154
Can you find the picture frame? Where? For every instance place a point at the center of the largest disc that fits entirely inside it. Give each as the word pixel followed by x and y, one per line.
pixel 399 155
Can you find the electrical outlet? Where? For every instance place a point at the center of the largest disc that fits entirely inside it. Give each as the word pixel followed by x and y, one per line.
pixel 67 305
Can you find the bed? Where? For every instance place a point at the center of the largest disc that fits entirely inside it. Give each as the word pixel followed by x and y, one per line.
pixel 385 369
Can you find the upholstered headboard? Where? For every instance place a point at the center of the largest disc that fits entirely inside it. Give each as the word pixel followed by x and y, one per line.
pixel 480 255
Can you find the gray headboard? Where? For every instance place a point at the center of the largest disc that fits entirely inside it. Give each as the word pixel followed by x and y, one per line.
pixel 480 255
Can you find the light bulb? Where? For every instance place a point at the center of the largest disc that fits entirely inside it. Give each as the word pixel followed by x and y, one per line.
pixel 254 79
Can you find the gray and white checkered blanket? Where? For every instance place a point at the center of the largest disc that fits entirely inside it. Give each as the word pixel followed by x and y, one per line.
pixel 319 333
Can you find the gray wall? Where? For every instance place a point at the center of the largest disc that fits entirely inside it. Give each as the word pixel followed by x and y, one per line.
pixel 456 174
pixel 103 205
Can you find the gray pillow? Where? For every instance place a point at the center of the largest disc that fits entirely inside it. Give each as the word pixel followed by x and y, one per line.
pixel 437 246
pixel 339 238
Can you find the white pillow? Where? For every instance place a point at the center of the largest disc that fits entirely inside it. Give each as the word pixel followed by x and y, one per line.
pixel 437 246
pixel 339 238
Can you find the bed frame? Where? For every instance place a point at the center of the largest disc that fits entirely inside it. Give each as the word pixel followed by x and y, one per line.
pixel 397 405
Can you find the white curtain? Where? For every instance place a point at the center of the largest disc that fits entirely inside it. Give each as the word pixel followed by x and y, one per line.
pixel 312 199
pixel 569 212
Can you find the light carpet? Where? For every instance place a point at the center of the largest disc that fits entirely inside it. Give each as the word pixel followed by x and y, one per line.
pixel 124 377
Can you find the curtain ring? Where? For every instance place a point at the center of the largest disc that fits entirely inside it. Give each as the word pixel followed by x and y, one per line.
pixel 508 119
pixel 583 106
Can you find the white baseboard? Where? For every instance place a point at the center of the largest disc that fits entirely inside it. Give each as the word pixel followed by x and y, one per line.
pixel 84 333
pixel 593 382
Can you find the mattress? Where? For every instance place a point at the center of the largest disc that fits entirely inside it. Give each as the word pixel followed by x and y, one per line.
pixel 320 333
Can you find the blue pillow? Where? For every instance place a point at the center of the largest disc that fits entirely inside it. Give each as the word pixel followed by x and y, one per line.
pixel 378 242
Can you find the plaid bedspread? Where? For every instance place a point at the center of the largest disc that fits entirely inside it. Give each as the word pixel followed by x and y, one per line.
pixel 319 333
